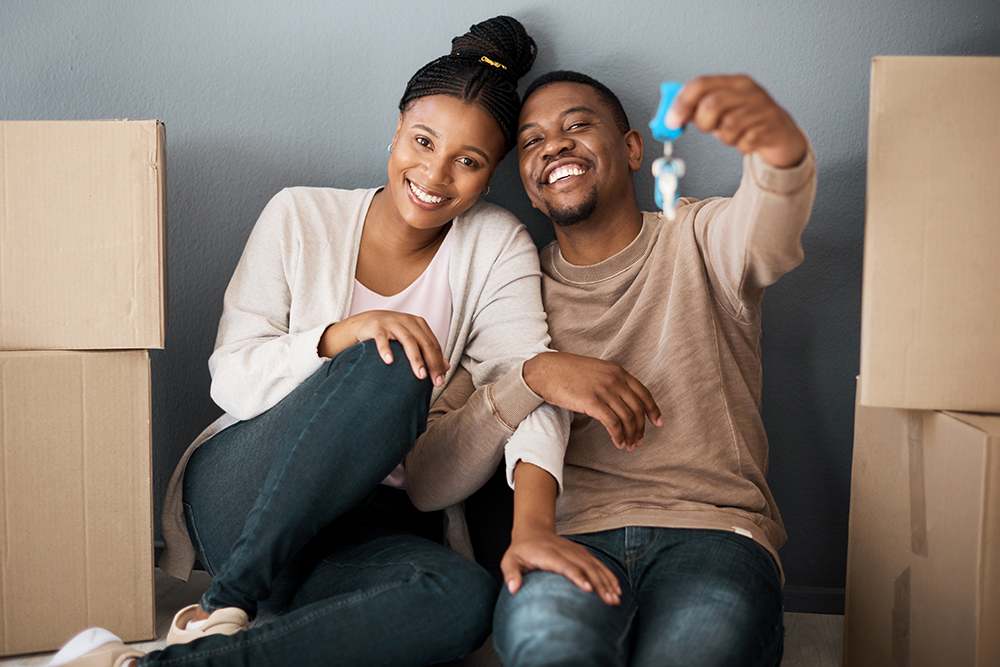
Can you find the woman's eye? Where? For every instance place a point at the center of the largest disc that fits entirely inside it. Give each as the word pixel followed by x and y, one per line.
pixel 423 141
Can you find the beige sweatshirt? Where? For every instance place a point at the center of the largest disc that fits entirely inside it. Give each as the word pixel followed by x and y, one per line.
pixel 679 309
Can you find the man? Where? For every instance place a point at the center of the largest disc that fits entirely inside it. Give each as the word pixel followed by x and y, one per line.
pixel 683 526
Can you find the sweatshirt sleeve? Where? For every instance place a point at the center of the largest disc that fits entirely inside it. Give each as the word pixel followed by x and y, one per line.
pixel 754 238
pixel 257 361
pixel 487 400
pixel 469 431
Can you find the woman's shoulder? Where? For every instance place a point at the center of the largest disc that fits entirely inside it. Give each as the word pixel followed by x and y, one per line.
pixel 324 210
pixel 301 195
pixel 486 223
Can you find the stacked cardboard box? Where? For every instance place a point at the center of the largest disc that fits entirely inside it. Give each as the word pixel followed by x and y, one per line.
pixel 82 299
pixel 923 574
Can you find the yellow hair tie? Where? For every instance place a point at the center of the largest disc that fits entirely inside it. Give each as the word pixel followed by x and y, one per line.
pixel 486 60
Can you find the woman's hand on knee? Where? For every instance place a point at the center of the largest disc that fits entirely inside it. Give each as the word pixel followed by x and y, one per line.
pixel 413 333
pixel 544 550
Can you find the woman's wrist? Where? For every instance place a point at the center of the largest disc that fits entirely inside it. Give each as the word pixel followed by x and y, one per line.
pixel 335 339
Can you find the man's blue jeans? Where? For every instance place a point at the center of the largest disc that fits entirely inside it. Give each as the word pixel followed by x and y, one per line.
pixel 286 509
pixel 696 598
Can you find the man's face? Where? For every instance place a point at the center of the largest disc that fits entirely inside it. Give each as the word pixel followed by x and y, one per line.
pixel 574 161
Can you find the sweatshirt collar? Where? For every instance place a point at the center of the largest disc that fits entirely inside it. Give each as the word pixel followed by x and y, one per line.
pixel 612 266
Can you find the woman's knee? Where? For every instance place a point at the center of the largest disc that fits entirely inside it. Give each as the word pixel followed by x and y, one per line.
pixel 388 384
pixel 461 599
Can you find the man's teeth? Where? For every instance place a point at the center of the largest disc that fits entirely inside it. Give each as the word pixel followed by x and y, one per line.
pixel 565 172
pixel 424 196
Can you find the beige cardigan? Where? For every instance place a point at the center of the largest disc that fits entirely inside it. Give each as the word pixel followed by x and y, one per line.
pixel 295 278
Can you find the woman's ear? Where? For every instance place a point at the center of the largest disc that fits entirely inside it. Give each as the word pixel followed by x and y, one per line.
pixel 399 126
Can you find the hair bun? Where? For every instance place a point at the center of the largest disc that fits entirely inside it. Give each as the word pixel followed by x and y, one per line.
pixel 501 42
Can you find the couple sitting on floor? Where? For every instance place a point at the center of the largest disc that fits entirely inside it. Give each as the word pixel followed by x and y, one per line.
pixel 382 351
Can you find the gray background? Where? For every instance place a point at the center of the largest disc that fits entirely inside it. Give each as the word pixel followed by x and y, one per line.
pixel 261 95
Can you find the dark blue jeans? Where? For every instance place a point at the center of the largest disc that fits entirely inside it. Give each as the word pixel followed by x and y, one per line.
pixel 692 598
pixel 286 510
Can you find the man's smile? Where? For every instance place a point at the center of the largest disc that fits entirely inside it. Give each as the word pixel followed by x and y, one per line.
pixel 562 170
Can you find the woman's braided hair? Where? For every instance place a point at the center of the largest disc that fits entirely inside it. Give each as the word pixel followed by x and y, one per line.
pixel 484 67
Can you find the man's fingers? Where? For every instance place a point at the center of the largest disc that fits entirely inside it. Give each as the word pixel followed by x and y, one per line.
pixel 604 583
pixel 636 413
pixel 649 405
pixel 611 422
pixel 514 582
pixel 688 99
pixel 511 571
pixel 591 575
pixel 576 575
pixel 726 111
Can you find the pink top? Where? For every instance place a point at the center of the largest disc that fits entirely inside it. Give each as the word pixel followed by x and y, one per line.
pixel 429 297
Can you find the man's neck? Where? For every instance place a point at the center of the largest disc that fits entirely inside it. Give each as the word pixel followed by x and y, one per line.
pixel 603 235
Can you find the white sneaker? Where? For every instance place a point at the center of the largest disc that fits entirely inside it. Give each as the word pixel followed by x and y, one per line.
pixel 95 647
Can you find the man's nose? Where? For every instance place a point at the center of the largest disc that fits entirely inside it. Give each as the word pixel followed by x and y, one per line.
pixel 556 144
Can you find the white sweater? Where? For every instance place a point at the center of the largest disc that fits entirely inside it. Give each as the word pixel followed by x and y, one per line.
pixel 295 278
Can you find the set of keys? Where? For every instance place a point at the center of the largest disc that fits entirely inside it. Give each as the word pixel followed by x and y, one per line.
pixel 667 170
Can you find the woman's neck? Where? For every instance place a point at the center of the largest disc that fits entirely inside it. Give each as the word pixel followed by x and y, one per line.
pixel 393 254
pixel 387 230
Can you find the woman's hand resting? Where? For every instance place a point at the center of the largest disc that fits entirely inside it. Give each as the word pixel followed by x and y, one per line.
pixel 412 332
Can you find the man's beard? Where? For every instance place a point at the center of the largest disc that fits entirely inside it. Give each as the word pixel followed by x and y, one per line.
pixel 567 217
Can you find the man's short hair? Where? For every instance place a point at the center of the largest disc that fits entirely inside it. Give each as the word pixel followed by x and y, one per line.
pixel 608 97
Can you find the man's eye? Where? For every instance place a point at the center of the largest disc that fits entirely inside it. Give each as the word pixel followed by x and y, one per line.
pixel 467 161
pixel 530 142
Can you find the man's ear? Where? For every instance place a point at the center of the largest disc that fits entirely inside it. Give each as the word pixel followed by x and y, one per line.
pixel 633 143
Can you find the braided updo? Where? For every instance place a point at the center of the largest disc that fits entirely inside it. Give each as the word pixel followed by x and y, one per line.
pixel 484 67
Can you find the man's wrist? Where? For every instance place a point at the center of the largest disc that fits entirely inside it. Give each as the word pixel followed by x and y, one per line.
pixel 525 528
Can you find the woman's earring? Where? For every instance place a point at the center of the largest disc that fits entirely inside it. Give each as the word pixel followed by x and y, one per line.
pixel 390 149
pixel 485 192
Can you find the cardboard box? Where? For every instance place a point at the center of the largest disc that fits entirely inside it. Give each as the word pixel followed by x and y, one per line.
pixel 82 235
pixel 76 511
pixel 930 324
pixel 923 560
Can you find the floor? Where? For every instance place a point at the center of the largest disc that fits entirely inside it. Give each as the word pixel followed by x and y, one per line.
pixel 811 640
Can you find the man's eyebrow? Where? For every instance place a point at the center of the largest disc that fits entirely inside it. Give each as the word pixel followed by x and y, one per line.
pixel 571 110
pixel 472 149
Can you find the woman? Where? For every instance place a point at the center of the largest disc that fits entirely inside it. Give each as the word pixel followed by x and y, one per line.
pixel 292 500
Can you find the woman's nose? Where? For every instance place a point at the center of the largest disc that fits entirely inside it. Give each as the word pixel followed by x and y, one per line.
pixel 437 169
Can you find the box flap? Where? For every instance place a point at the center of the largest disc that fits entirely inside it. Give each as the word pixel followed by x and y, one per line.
pixel 987 423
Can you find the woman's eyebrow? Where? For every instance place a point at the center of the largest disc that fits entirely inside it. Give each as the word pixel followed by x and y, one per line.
pixel 471 149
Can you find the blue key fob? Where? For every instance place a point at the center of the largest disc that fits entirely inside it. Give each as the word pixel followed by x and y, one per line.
pixel 668 91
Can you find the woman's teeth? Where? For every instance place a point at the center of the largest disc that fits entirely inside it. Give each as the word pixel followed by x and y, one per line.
pixel 423 195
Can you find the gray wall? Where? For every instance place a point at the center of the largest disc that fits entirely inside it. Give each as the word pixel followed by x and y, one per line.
pixel 260 95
